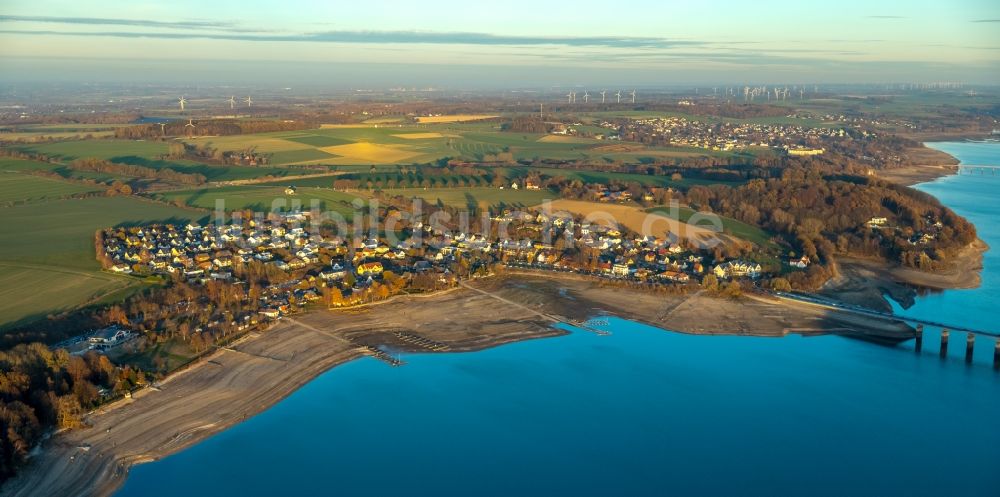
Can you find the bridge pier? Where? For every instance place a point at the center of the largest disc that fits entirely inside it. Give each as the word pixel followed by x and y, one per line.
pixel 919 345
pixel 970 343
pixel 944 342
pixel 996 355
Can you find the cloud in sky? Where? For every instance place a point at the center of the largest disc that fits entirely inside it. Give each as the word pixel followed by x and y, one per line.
pixel 388 37
pixel 230 31
pixel 97 21
pixel 696 44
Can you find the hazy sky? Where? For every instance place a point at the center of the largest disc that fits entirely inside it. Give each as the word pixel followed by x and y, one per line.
pixel 501 43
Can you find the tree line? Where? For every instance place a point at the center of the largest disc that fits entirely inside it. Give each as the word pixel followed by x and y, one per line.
pixel 42 389
pixel 213 127
pixel 129 170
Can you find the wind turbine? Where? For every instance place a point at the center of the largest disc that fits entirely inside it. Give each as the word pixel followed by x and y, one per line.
pixel 569 97
pixel 633 96
pixel 163 131
pixel 232 102
pixel 619 95
pixel 191 125
pixel 586 97
pixel 249 101
pixel 602 95
pixel 182 101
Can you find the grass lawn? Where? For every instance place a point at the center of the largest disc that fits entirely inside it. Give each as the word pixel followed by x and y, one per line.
pixel 163 357
pixel 60 233
pixel 63 289
pixel 17 187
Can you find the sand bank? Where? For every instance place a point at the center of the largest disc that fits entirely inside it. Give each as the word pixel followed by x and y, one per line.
pixel 866 281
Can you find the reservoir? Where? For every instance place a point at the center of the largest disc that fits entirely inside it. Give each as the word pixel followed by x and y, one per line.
pixel 640 411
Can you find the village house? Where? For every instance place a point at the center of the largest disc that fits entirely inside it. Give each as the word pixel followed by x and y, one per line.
pixel 737 269
pixel 370 269
pixel 801 262
pixel 336 272
pixel 621 269
pixel 877 222
pixel 109 337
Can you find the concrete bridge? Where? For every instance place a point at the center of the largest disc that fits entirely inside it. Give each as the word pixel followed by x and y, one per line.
pixel 920 323
pixel 978 169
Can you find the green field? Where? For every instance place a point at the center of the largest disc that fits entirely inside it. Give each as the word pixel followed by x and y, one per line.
pixel 264 198
pixel 112 150
pixel 215 172
pixel 145 154
pixel 47 248
pixel 63 289
pixel 25 165
pixel 24 187
pixel 427 143
pixel 296 156
pixel 319 140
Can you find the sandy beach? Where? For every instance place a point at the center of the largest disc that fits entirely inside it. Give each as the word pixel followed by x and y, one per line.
pixel 244 379
pixel 931 164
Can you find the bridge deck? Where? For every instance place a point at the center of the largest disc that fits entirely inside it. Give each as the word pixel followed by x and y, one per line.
pixel 837 306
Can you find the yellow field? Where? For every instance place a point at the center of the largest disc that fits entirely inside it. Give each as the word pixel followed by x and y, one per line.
pixel 565 139
pixel 636 220
pixel 370 152
pixel 453 119
pixel 349 126
pixel 422 136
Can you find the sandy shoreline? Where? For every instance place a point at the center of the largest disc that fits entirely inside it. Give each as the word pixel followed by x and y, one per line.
pixel 932 164
pixel 867 282
pixel 242 380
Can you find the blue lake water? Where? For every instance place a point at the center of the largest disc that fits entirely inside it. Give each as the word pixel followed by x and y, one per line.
pixel 978 199
pixel 642 411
